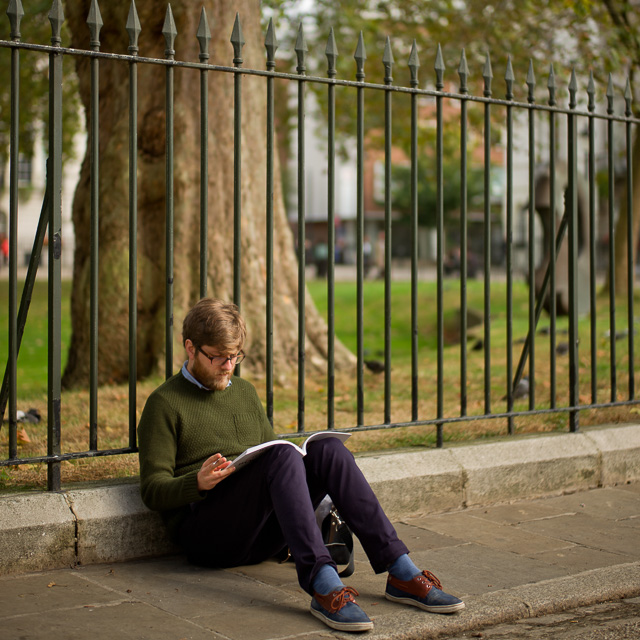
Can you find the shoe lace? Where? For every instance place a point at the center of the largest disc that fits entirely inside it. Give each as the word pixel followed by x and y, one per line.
pixel 430 579
pixel 341 598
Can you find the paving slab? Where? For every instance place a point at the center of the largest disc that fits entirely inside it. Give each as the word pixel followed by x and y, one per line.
pixel 611 503
pixel 491 534
pixel 589 531
pixel 576 558
pixel 125 620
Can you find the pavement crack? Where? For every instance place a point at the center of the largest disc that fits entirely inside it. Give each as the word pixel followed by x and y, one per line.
pixel 76 536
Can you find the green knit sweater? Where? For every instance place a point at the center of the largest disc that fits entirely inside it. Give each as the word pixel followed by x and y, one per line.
pixel 181 426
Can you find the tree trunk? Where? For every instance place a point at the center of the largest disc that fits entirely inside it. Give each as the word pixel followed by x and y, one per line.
pixel 114 199
pixel 621 252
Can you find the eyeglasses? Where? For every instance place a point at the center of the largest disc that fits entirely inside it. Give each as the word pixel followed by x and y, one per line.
pixel 219 361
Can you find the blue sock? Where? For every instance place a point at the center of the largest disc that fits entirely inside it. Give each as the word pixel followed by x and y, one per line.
pixel 326 580
pixel 403 568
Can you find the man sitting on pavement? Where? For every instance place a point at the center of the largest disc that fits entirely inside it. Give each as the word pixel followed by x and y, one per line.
pixel 202 417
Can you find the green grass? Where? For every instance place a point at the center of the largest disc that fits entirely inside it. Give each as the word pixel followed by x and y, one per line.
pixel 33 353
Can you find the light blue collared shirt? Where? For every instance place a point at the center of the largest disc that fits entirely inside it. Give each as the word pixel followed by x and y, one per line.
pixel 187 374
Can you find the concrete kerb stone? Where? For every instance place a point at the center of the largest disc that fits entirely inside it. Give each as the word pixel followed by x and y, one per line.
pixel 37 531
pixel 620 451
pixel 41 531
pixel 528 468
pixel 415 483
pixel 113 525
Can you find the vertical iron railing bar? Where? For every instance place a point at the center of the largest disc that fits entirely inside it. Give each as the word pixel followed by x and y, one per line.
pixel 237 40
pixel 56 18
pixel 463 72
pixel 204 36
pixel 592 242
pixel 553 252
pixel 509 79
pixel 95 23
pixel 360 57
pixel 612 228
pixel 25 302
pixel 532 257
pixel 439 69
pixel 572 141
pixel 487 75
pixel 387 61
pixel 414 240
pixel 271 45
pixel 301 50
pixel 331 53
pixel 133 29
pixel 15 13
pixel 630 241
pixel 169 32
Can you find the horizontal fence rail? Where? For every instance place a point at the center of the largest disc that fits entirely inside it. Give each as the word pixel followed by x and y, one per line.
pixel 498 114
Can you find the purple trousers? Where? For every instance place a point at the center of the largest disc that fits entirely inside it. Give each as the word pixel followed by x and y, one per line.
pixel 269 505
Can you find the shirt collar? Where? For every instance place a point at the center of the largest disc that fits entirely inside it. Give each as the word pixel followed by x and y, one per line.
pixel 188 375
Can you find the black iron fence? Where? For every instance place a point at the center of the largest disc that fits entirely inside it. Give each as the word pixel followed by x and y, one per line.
pixel 569 238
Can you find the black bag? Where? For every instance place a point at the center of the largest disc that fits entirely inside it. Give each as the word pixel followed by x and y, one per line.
pixel 337 536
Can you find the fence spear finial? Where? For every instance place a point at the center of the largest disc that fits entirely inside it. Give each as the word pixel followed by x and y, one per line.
pixel 133 28
pixel 56 18
pixel 414 64
pixel 271 45
pixel 332 54
pixel 169 32
pixel 591 92
pixel 531 83
pixel 15 13
pixel 237 40
pixel 94 20
pixel 204 36
pixel 610 95
pixel 573 89
pixel 301 50
pixel 463 72
pixel 387 61
pixel 487 74
pixel 509 78
pixel 360 56
pixel 439 67
pixel 628 98
pixel 551 85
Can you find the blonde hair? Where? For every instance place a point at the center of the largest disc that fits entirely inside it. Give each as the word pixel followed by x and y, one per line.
pixel 215 323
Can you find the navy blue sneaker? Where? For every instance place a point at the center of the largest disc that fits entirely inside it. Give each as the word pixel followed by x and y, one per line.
pixel 340 611
pixel 423 591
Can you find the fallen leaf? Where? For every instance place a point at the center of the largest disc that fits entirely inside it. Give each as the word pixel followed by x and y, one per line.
pixel 23 437
pixel 51 584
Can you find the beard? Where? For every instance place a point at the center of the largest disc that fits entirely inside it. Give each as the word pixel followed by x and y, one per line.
pixel 214 380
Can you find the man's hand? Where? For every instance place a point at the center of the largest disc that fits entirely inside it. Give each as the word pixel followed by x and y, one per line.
pixel 214 470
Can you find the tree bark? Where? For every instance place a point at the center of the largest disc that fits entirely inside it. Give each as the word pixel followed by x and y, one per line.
pixel 114 200
pixel 621 252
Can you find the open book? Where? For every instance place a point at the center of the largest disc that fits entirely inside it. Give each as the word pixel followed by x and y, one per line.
pixel 253 452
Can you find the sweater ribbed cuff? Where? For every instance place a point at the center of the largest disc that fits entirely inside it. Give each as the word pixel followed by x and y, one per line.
pixel 191 492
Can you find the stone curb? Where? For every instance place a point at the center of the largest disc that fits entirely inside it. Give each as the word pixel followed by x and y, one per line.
pixel 40 531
